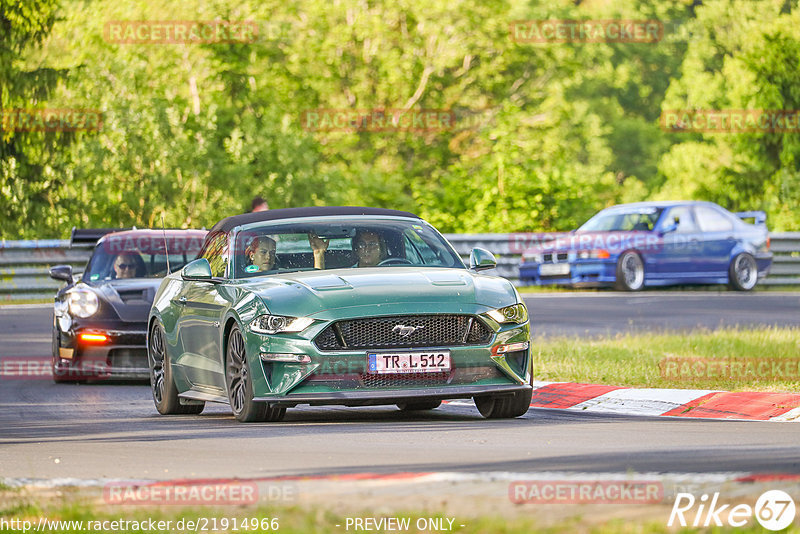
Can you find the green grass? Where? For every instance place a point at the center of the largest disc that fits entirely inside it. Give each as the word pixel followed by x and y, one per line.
pixel 638 360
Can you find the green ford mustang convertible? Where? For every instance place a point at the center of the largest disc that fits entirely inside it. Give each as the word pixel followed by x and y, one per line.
pixel 336 305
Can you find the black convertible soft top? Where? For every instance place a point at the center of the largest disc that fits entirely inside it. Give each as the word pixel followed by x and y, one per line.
pixel 229 223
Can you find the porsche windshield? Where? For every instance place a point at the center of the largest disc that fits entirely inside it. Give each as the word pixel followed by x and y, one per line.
pixel 139 257
pixel 268 248
pixel 643 219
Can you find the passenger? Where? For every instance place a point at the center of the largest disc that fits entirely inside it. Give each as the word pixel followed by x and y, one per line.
pixel 129 265
pixel 261 254
pixel 368 245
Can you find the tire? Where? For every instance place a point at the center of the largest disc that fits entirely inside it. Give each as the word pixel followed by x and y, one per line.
pixel 743 272
pixel 63 375
pixel 58 376
pixel 162 385
pixel 240 387
pixel 630 272
pixel 504 406
pixel 416 406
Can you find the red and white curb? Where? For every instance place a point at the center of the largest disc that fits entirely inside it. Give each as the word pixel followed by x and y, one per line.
pixel 694 403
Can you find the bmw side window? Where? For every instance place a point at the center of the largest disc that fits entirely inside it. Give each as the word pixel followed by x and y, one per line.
pixel 711 220
pixel 685 220
pixel 217 254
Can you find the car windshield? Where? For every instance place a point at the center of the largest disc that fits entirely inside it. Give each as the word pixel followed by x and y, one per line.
pixel 274 247
pixel 630 220
pixel 118 257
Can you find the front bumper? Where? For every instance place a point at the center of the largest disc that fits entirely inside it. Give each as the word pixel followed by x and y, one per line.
pixel 379 397
pixel 122 356
pixel 343 377
pixel 581 272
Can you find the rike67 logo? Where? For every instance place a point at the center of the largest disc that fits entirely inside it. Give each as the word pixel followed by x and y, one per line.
pixel 774 510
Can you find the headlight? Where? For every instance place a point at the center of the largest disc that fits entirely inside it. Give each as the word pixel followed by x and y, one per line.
pixel 275 324
pixel 83 302
pixel 516 313
pixel 593 254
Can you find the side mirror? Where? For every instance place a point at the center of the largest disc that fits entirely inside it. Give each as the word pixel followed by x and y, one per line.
pixel 62 272
pixel 669 227
pixel 198 270
pixel 481 259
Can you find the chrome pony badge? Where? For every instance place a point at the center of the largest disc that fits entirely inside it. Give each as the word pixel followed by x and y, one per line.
pixel 404 330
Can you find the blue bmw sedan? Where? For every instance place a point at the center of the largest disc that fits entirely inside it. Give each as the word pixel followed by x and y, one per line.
pixel 631 246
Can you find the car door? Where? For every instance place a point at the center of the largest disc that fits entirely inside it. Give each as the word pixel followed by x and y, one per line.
pixel 675 259
pixel 717 240
pixel 202 305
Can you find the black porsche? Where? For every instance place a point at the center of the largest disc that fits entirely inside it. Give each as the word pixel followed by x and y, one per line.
pixel 100 316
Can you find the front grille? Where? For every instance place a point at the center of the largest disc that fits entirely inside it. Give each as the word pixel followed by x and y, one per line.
pixel 385 332
pixel 127 358
pixel 399 380
pixel 554 257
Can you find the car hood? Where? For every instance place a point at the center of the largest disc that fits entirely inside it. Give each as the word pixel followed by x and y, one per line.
pixel 309 293
pixel 131 299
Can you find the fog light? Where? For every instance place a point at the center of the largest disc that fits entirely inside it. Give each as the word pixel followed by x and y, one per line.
pixel 511 347
pixel 93 338
pixel 285 358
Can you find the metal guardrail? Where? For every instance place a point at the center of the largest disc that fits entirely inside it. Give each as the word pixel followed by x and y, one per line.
pixel 24 265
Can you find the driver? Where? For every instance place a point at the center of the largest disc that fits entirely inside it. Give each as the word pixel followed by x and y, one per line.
pixel 261 253
pixel 369 246
pixel 129 265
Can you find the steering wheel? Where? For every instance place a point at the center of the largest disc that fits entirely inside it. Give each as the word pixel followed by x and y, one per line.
pixel 394 261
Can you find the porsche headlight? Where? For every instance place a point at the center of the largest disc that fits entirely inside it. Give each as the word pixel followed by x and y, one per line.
pixel 277 324
pixel 514 314
pixel 83 302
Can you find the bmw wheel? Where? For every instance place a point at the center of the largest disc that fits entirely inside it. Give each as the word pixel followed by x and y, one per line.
pixel 504 406
pixel 630 272
pixel 165 393
pixel 240 385
pixel 743 272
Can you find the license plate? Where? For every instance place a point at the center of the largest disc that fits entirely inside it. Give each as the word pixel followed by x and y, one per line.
pixel 551 269
pixel 436 361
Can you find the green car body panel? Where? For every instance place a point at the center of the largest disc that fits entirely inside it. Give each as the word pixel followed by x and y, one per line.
pixel 197 317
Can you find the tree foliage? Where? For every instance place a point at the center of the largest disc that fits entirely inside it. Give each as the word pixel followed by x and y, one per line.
pixel 546 134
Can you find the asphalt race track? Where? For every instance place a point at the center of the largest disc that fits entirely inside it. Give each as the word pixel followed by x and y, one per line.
pixel 105 430
pixel 604 313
